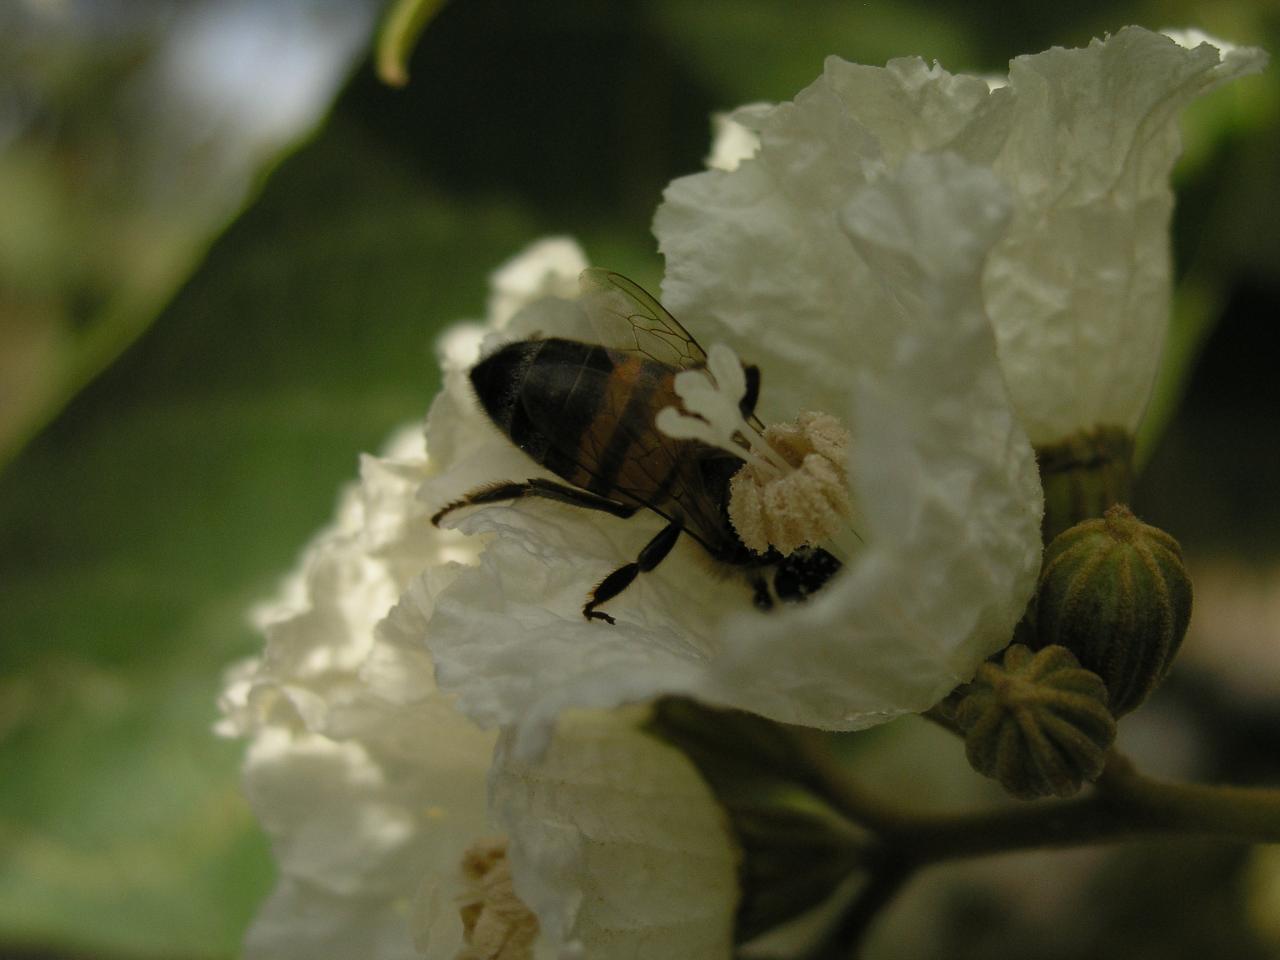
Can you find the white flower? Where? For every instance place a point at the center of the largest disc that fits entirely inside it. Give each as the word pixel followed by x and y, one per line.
pixel 372 787
pixel 943 486
pixel 861 253
pixel 1078 286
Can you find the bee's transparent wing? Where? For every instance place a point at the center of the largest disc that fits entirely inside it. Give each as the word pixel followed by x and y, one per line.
pixel 628 318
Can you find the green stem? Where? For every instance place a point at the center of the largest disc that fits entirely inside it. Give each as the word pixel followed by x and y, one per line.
pixel 1242 813
pixel 1126 805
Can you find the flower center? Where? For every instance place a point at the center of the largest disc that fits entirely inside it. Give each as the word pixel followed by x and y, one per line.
pixel 794 487
pixel 809 503
pixel 496 925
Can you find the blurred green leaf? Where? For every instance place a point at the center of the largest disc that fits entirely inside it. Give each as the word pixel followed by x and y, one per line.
pixel 773 61
pixel 128 141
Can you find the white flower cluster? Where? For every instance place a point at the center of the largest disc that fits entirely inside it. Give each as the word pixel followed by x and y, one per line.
pixel 946 265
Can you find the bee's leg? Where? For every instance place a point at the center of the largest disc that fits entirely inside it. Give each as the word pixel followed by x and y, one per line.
pixel 536 487
pixel 654 552
pixel 747 405
pixel 761 597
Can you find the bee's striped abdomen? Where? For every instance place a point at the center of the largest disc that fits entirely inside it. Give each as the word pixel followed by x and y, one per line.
pixel 584 412
pixel 544 395
pixel 624 412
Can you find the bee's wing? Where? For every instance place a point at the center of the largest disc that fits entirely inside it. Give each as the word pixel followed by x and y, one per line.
pixel 627 318
pixel 630 319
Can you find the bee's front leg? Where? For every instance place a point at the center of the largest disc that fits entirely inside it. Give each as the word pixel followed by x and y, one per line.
pixel 654 552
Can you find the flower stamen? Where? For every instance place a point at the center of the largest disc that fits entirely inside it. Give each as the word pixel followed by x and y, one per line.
pixel 809 504
pixel 496 925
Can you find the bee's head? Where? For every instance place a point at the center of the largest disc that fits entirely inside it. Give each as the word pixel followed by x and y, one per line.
pixel 803 572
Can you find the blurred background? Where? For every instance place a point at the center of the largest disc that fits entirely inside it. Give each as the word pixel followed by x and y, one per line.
pixel 226 249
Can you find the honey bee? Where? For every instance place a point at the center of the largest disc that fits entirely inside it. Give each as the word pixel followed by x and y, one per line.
pixel 586 412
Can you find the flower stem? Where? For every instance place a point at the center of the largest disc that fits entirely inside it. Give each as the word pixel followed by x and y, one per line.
pixel 1125 805
pixel 1242 813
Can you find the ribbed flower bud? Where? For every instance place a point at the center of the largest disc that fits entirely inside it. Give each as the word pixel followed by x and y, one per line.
pixel 1036 722
pixel 1114 592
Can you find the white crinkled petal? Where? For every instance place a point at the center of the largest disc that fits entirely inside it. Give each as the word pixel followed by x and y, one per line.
pixel 757 256
pixel 949 500
pixel 331 816
pixel 945 479
pixel 615 839
pixel 361 816
pixel 731 142
pixel 1079 287
pixel 509 638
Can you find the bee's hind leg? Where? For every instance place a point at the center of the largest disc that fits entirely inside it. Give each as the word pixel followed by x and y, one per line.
pixel 535 487
pixel 654 552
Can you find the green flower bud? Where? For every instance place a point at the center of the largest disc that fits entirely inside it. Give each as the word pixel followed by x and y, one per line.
pixel 1114 592
pixel 1036 722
